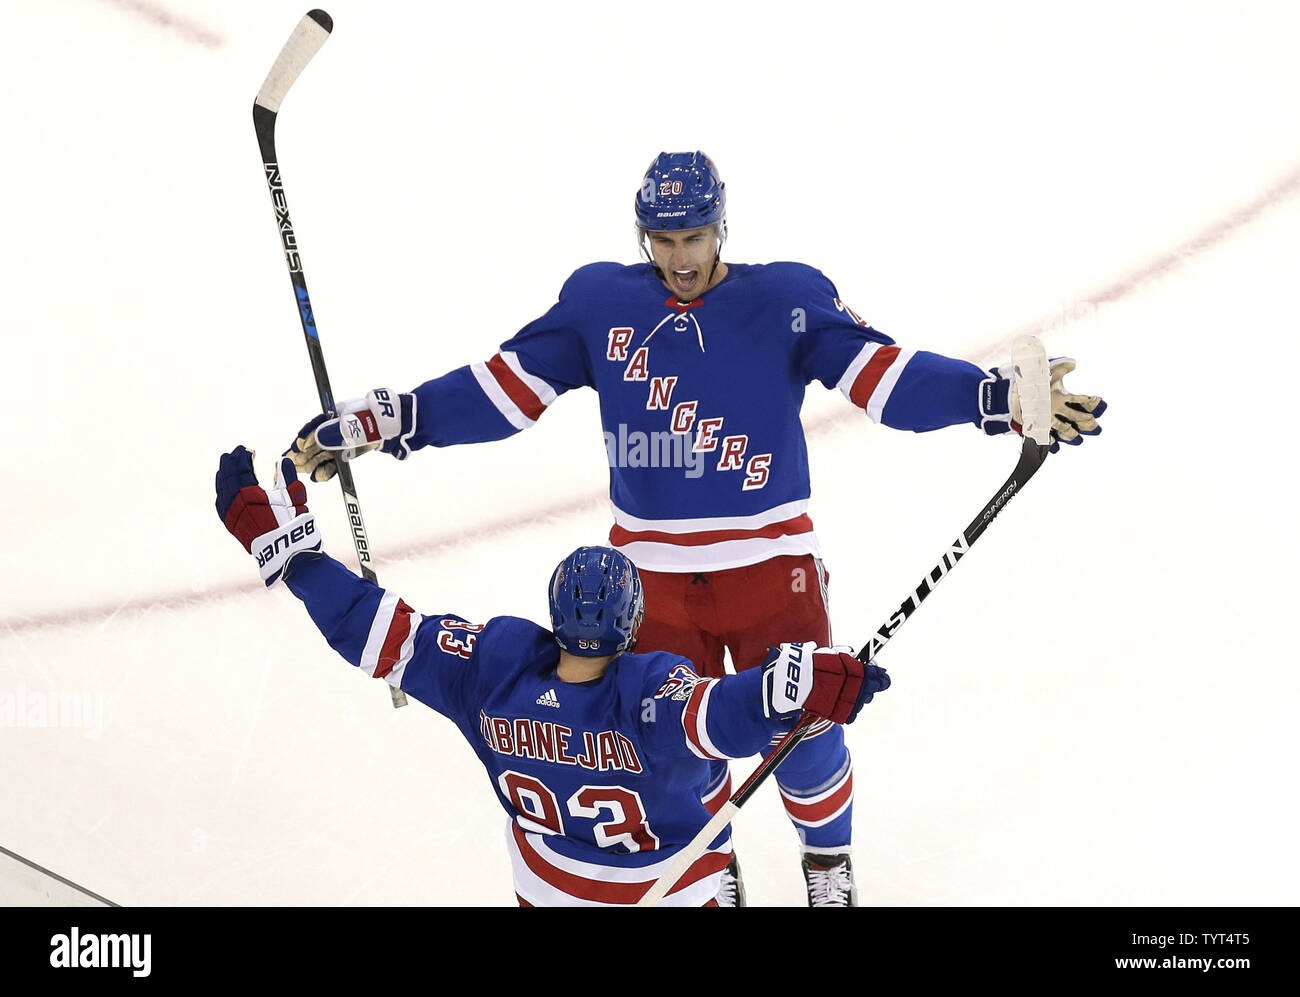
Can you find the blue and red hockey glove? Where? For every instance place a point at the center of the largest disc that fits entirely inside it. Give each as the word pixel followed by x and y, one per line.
pixel 830 683
pixel 383 420
pixel 1073 416
pixel 272 524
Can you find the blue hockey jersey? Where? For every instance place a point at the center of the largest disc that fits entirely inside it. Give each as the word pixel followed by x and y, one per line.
pixel 603 780
pixel 700 402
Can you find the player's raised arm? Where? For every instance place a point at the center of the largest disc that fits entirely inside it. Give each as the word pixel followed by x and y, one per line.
pixel 915 389
pixel 368 626
pixel 737 715
pixel 476 403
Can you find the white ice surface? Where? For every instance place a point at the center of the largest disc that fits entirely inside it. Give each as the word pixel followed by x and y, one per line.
pixel 1095 709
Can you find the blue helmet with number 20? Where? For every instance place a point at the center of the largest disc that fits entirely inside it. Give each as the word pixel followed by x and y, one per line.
pixel 596 602
pixel 682 190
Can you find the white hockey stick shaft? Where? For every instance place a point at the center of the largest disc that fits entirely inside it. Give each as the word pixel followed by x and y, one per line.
pixel 687 856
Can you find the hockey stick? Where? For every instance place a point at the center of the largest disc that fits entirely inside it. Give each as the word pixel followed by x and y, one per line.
pixel 1032 378
pixel 311 33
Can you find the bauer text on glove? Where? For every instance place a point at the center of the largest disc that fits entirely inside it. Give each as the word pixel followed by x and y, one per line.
pixel 830 683
pixel 273 523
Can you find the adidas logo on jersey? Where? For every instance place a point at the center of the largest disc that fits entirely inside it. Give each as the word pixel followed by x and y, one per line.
pixel 548 699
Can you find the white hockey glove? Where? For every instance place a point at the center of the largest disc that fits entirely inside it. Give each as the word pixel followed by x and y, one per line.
pixel 828 681
pixel 1073 416
pixel 383 420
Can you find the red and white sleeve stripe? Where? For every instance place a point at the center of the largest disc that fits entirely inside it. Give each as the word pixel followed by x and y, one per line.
pixel 518 395
pixel 545 878
pixel 870 378
pixel 695 722
pixel 391 641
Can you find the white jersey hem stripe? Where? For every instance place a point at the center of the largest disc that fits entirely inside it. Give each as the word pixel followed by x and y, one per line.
pixel 777 514
pixel 605 873
pixel 649 555
pixel 538 891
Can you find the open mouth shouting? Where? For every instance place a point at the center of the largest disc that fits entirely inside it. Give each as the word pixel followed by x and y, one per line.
pixel 686 282
pixel 686 260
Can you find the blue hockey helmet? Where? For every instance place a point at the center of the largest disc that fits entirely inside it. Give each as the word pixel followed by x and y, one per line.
pixel 596 602
pixel 682 190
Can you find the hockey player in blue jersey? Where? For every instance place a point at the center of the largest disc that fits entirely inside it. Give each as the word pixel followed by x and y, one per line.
pixel 599 756
pixel 701 368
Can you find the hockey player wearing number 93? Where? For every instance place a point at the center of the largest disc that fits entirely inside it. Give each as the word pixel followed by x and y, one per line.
pixel 599 755
pixel 701 367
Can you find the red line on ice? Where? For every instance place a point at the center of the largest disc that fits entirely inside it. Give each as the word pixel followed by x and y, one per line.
pixel 1125 285
pixel 160 16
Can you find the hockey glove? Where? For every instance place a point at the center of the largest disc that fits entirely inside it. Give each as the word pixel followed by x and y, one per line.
pixel 382 420
pixel 272 524
pixel 1073 416
pixel 828 682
